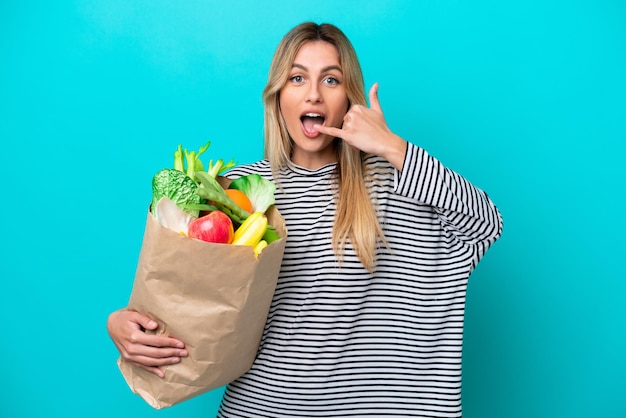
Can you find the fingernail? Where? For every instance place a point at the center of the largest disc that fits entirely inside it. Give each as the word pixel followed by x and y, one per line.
pixel 175 359
pixel 180 345
pixel 152 324
pixel 182 353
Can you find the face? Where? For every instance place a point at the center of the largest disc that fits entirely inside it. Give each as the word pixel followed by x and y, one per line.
pixel 314 94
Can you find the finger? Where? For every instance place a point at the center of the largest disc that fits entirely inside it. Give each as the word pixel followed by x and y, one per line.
pixel 153 370
pixel 329 130
pixel 156 371
pixel 374 103
pixel 150 356
pixel 144 321
pixel 154 362
pixel 151 339
pixel 156 341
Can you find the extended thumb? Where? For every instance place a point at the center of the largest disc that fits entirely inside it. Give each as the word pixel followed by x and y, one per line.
pixel 374 102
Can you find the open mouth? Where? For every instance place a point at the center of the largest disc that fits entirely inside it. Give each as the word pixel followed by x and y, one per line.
pixel 309 120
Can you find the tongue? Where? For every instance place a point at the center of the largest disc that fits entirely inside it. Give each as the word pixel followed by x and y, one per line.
pixel 308 123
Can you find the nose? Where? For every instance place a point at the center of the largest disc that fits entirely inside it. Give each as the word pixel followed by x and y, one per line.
pixel 314 95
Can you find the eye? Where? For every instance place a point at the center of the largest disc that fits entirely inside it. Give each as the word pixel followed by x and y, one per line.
pixel 331 81
pixel 297 79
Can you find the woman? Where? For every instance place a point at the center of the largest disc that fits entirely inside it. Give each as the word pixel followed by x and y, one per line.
pixel 367 316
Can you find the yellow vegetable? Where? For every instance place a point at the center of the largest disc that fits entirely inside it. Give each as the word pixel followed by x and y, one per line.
pixel 259 247
pixel 251 230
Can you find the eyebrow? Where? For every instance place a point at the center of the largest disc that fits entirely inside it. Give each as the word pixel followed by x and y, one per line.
pixel 325 69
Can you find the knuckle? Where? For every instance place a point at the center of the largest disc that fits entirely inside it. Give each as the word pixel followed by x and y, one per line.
pixel 135 337
pixel 130 350
pixel 152 362
pixel 126 356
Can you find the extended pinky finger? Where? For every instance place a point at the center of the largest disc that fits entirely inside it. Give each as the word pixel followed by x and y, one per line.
pixel 154 370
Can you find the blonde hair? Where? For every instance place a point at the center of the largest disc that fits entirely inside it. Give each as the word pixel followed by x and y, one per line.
pixel 355 218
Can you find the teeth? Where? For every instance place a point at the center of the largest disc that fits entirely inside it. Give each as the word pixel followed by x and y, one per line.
pixel 313 115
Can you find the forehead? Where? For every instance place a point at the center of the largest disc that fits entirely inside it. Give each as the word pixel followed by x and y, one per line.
pixel 313 54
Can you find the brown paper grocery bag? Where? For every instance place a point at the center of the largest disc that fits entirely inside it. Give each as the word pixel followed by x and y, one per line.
pixel 214 297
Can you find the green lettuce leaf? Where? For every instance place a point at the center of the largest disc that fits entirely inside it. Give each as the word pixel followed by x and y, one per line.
pixel 178 187
pixel 259 190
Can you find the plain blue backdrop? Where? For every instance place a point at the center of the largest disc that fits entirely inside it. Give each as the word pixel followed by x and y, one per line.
pixel 526 99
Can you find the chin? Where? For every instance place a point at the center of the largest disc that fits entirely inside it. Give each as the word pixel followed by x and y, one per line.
pixel 318 144
pixel 320 148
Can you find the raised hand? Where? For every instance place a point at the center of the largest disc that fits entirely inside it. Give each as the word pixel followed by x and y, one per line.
pixel 365 128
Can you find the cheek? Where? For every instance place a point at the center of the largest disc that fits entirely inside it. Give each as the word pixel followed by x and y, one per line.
pixel 342 105
pixel 286 106
pixel 340 111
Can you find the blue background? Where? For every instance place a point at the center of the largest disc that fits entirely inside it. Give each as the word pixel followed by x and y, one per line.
pixel 526 99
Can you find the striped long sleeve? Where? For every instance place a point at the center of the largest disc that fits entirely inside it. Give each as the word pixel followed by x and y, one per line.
pixel 343 342
pixel 464 210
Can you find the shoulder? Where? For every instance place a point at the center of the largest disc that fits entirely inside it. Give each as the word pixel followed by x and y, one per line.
pixel 379 169
pixel 260 167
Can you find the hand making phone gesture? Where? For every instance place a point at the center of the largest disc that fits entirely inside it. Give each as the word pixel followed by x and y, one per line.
pixel 365 128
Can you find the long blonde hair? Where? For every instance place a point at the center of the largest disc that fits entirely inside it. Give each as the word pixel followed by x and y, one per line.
pixel 355 218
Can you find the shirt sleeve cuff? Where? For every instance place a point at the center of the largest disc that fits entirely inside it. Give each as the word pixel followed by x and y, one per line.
pixel 406 181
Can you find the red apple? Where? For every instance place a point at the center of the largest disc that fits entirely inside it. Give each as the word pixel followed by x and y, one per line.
pixel 214 227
